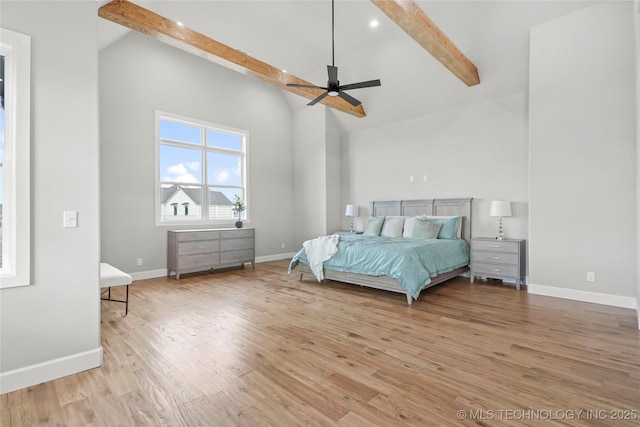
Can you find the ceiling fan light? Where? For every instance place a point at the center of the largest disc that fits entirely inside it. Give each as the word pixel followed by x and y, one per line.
pixel 333 93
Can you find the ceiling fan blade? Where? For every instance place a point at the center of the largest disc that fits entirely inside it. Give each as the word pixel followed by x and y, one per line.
pixel 350 99
pixel 361 85
pixel 318 99
pixel 333 73
pixel 307 86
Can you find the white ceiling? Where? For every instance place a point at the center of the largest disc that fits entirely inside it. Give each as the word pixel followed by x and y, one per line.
pixel 295 35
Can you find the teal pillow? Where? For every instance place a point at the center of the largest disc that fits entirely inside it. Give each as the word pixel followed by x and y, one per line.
pixel 449 229
pixel 374 226
pixel 426 229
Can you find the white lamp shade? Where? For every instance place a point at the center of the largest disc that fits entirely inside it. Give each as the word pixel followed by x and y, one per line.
pixel 500 208
pixel 352 210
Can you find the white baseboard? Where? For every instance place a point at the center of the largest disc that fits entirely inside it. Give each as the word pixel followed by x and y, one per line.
pixel 584 296
pixel 50 370
pixel 150 274
pixel 276 257
pixel 153 274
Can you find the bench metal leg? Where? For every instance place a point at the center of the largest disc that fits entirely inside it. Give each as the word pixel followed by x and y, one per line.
pixel 125 301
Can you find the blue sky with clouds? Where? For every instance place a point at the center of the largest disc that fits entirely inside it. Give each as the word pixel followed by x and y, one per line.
pixel 184 165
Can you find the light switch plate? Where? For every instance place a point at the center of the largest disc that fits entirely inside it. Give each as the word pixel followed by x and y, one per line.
pixel 70 219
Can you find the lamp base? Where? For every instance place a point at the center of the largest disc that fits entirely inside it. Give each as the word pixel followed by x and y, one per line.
pixel 500 235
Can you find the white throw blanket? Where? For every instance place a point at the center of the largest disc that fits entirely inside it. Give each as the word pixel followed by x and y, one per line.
pixel 318 251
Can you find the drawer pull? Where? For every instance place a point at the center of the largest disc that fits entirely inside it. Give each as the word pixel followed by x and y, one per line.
pixel 495 269
pixel 494 246
pixel 495 257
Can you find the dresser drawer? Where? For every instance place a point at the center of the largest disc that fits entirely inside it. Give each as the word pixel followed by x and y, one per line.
pixel 495 257
pixel 245 255
pixel 493 269
pixel 240 232
pixel 198 235
pixel 494 245
pixel 198 247
pixel 232 244
pixel 197 261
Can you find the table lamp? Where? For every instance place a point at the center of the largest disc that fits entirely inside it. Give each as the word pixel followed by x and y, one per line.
pixel 351 211
pixel 500 208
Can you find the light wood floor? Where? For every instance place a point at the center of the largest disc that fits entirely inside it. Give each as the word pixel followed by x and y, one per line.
pixel 259 348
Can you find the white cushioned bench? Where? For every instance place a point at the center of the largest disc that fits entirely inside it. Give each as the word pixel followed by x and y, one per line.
pixel 111 276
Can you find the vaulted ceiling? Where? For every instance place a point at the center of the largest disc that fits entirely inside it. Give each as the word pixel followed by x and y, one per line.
pixel 296 36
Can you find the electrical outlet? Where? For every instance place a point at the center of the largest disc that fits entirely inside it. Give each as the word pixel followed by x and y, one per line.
pixel 424 178
pixel 591 276
pixel 283 246
pixel 411 178
pixel 139 261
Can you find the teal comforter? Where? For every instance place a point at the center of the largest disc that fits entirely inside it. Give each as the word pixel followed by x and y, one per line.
pixel 412 262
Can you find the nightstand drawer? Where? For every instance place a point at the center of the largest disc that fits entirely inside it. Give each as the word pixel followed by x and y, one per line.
pixel 492 269
pixel 494 245
pixel 495 257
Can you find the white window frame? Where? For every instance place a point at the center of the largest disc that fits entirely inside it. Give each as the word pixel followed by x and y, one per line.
pixel 16 221
pixel 204 219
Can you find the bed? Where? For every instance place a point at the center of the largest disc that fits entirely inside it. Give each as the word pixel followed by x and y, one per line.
pixel 341 271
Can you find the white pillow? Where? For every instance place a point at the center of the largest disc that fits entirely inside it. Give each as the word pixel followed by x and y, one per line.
pixel 410 223
pixel 458 231
pixel 392 226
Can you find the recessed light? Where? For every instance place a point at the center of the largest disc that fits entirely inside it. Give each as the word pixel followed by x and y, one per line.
pixel 374 23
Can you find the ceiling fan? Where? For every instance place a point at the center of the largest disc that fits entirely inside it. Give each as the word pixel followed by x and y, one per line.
pixel 333 84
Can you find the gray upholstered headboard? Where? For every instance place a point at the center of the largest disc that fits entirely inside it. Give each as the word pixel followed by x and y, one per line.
pixel 436 207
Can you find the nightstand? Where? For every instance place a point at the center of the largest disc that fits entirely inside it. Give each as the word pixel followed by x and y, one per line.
pixel 499 259
pixel 346 232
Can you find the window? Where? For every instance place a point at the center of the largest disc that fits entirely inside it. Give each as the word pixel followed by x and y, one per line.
pixel 15 221
pixel 201 167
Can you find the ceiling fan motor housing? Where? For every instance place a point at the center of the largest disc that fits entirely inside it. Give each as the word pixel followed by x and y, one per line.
pixel 333 88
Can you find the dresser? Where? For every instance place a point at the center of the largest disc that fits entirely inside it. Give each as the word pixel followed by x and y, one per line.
pixel 499 259
pixel 209 249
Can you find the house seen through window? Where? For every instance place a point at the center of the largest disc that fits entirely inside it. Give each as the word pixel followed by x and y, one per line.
pixel 201 168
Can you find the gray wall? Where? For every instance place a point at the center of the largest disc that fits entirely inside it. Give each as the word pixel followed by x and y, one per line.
pixel 583 151
pixel 637 29
pixel 335 204
pixel 478 150
pixel 310 160
pixel 137 76
pixel 52 328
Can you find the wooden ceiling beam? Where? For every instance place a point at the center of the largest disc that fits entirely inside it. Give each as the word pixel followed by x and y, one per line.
pixel 151 24
pixel 417 24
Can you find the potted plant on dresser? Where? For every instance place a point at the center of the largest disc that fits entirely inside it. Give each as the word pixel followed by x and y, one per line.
pixel 238 207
